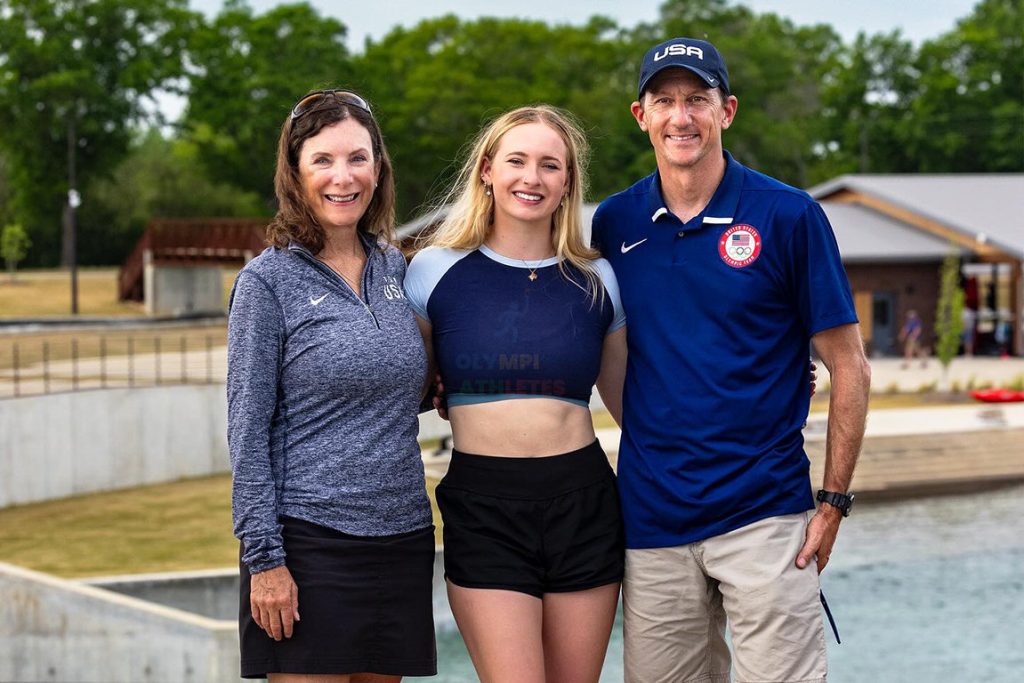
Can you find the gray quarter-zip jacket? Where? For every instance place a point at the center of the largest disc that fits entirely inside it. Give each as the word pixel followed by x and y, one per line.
pixel 323 389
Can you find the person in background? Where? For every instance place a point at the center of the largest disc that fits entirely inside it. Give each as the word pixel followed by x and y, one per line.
pixel 910 335
pixel 726 276
pixel 325 372
pixel 523 318
pixel 968 318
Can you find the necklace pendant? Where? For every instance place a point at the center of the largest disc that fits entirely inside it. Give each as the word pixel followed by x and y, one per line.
pixel 532 276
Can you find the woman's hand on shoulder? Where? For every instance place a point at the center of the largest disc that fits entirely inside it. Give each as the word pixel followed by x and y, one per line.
pixel 274 599
pixel 814 377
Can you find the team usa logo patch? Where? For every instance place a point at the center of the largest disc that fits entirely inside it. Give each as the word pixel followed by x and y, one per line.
pixel 740 245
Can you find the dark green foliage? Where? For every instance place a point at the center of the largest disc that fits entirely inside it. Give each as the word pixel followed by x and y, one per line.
pixel 436 84
pixel 248 71
pixel 948 311
pixel 811 107
pixel 91 63
pixel 158 179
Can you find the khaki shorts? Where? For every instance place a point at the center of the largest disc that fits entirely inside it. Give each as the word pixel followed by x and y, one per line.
pixel 676 601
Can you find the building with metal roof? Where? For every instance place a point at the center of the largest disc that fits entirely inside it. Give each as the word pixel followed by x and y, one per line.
pixel 894 231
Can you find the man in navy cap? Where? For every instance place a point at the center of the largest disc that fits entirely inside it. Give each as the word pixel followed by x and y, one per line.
pixel 725 275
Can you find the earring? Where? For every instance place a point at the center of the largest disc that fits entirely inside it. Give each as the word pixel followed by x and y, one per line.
pixel 487 190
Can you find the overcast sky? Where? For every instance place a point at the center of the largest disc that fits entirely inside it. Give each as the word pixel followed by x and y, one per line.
pixel 917 19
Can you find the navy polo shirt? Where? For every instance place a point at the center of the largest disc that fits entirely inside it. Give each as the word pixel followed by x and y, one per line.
pixel 720 312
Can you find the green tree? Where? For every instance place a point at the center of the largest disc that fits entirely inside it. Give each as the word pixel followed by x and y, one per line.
pixel 969 115
pixel 14 244
pixel 436 84
pixel 78 74
pixel 160 178
pixel 248 71
pixel 865 108
pixel 6 211
pixel 948 312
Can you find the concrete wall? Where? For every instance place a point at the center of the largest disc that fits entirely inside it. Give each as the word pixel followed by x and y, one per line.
pixel 82 442
pixel 56 630
pixel 214 593
pixel 177 290
pixel 66 444
pixel 180 626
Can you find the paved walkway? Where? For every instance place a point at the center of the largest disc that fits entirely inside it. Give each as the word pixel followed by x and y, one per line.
pixel 911 451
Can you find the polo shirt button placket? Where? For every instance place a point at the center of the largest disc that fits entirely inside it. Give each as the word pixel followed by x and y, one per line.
pixel 681 233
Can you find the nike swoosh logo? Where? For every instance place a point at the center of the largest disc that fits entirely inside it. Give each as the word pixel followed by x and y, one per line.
pixel 314 302
pixel 635 244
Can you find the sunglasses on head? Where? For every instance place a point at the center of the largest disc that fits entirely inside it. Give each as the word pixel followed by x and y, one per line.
pixel 316 99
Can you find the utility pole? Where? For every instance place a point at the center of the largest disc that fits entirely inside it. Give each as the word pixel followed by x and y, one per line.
pixel 70 224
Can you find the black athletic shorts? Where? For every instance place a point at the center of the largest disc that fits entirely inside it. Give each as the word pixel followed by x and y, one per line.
pixel 532 525
pixel 365 602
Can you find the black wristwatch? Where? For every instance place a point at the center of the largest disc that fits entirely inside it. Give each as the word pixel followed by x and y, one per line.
pixel 841 501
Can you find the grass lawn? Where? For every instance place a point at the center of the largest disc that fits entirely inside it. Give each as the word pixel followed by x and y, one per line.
pixel 187 524
pixel 91 343
pixel 168 527
pixel 47 293
pixel 819 403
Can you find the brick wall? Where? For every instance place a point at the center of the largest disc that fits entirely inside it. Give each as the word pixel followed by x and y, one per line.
pixel 915 286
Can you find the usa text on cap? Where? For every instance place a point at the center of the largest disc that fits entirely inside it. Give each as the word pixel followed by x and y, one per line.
pixel 698 56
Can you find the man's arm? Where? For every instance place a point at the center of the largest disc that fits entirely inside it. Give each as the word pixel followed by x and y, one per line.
pixel 842 352
pixel 613 372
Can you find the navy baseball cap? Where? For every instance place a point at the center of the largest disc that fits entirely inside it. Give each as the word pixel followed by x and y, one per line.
pixel 699 56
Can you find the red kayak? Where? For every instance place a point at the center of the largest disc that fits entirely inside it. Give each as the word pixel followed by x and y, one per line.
pixel 998 395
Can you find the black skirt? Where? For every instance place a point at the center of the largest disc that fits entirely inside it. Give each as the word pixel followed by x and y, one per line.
pixel 365 605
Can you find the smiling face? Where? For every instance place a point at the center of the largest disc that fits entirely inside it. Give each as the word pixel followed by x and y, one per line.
pixel 684 118
pixel 338 173
pixel 528 174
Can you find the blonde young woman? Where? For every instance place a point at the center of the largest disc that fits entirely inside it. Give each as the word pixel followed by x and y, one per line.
pixel 522 318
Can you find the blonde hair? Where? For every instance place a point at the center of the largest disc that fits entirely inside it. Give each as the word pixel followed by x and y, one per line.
pixel 470 212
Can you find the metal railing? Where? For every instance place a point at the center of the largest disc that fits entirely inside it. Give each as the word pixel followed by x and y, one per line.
pixel 30 367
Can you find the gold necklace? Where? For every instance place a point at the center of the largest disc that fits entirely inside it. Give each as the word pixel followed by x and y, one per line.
pixel 533 269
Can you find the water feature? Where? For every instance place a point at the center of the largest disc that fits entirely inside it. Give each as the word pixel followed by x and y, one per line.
pixel 928 590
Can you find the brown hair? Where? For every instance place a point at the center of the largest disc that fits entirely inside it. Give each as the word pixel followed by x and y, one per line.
pixel 295 220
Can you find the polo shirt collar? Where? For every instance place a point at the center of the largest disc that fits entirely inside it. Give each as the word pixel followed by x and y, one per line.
pixel 721 210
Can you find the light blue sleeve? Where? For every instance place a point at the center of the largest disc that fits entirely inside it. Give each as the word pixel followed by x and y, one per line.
pixel 611 286
pixel 425 270
pixel 417 283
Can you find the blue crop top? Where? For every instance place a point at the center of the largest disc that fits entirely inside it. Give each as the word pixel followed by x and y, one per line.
pixel 498 335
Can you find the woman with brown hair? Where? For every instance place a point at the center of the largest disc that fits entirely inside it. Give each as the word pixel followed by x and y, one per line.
pixel 325 372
